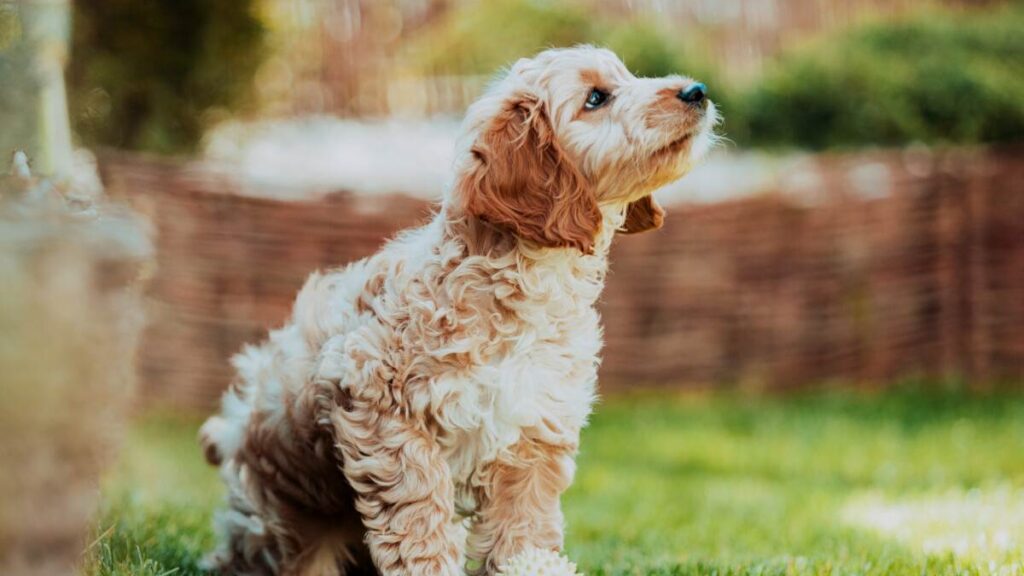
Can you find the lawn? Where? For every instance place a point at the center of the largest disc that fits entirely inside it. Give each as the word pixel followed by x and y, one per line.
pixel 819 483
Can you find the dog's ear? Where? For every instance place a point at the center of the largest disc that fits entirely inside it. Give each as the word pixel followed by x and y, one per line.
pixel 521 180
pixel 643 215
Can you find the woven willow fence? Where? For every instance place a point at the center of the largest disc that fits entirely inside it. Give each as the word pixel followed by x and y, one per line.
pixel 891 265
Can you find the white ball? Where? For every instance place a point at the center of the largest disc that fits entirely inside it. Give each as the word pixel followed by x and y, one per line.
pixel 537 562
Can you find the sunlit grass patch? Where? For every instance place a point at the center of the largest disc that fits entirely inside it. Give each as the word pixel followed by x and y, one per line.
pixel 982 524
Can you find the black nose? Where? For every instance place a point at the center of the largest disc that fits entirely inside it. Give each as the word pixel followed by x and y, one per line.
pixel 694 93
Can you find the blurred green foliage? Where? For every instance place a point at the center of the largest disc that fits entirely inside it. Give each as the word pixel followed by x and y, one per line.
pixel 938 78
pixel 151 74
pixel 481 37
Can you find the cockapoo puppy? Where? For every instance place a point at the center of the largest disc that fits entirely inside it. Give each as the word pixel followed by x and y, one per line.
pixel 440 386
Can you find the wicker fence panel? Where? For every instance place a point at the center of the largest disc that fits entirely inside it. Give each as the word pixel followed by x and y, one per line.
pixel 919 272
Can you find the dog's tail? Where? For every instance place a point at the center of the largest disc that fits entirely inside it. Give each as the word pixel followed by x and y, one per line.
pixel 222 435
pixel 211 438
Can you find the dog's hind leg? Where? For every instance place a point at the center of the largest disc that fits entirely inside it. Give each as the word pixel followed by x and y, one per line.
pixel 278 524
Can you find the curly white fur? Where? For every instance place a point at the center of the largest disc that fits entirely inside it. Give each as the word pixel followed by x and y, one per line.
pixel 536 562
pixel 449 375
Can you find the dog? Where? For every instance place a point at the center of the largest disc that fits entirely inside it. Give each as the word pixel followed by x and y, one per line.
pixel 420 411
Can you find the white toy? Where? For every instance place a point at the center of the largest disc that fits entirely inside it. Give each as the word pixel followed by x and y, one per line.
pixel 537 562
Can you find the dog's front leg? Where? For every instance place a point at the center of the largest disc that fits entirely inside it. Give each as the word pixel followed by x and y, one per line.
pixel 519 503
pixel 404 490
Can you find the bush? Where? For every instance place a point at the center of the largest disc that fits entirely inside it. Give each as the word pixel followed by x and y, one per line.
pixel 644 49
pixel 481 37
pixel 149 75
pixel 934 79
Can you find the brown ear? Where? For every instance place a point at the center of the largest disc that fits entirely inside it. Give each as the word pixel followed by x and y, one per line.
pixel 522 181
pixel 643 215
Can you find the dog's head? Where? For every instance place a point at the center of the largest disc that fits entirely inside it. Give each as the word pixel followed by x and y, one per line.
pixel 572 131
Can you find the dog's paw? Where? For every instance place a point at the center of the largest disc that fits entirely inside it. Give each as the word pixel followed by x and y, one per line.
pixel 537 562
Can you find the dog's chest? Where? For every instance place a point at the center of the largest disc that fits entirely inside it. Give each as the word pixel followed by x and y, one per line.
pixel 542 388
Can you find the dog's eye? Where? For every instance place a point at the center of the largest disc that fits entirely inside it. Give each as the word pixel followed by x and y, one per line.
pixel 596 99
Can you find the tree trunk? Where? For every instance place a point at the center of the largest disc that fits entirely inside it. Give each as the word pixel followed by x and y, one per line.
pixel 34 38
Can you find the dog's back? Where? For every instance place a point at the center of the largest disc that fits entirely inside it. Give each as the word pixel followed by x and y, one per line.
pixel 290 509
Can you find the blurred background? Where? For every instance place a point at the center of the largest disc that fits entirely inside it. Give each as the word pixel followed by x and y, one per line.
pixel 860 236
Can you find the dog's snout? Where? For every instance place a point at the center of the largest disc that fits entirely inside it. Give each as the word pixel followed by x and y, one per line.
pixel 695 94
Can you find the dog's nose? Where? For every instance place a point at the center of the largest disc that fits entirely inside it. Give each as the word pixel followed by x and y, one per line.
pixel 694 94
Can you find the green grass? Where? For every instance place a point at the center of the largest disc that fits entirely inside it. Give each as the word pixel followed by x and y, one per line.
pixel 822 484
